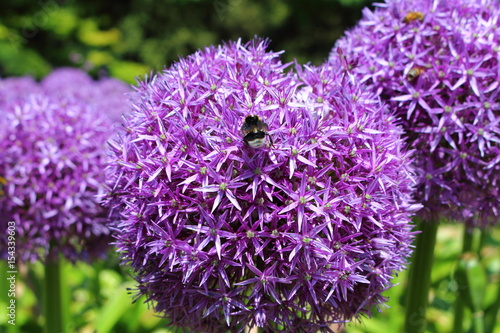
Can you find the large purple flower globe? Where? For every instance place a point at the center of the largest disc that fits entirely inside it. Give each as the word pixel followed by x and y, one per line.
pixel 109 95
pixel 437 65
pixel 52 161
pixel 14 88
pixel 251 196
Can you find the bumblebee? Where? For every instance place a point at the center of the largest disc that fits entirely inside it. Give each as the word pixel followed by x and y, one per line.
pixel 412 16
pixel 414 73
pixel 254 131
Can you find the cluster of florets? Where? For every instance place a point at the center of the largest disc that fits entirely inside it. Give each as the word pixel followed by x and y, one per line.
pixel 437 65
pixel 292 236
pixel 109 95
pixel 53 153
pixel 16 88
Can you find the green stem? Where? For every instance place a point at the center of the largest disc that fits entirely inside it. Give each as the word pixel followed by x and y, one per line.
pixel 468 240
pixel 491 314
pixel 460 300
pixel 420 277
pixel 52 298
pixel 4 284
pixel 478 322
pixel 98 267
pixel 483 240
pixel 458 315
pixel 6 277
pixel 66 270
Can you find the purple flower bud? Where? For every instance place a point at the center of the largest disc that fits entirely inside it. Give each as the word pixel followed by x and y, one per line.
pixel 437 65
pixel 293 235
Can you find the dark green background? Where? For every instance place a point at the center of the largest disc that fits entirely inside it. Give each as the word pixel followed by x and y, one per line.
pixel 129 38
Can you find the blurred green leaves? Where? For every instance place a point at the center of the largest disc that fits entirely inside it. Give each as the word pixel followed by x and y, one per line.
pixel 96 298
pixel 18 61
pixel 132 37
pixel 63 22
pixel 89 34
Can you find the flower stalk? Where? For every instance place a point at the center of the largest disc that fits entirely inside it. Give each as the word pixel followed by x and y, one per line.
pixel 491 314
pixel 472 279
pixel 420 277
pixel 5 298
pixel 460 302
pixel 52 296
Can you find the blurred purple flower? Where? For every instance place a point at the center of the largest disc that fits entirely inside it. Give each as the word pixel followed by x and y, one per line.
pixel 52 162
pixel 14 88
pixel 437 64
pixel 108 94
pixel 293 236
pixel 68 80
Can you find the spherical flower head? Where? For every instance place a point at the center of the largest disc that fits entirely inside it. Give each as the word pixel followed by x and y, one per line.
pixel 67 80
pixel 437 64
pixel 51 168
pixel 113 96
pixel 14 88
pixel 109 95
pixel 290 236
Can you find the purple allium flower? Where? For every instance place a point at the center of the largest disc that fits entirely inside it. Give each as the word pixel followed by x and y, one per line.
pixel 111 96
pixel 14 88
pixel 108 94
pixel 292 236
pixel 68 80
pixel 52 167
pixel 437 64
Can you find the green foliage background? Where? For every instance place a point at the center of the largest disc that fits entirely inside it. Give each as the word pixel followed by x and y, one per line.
pixel 131 37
